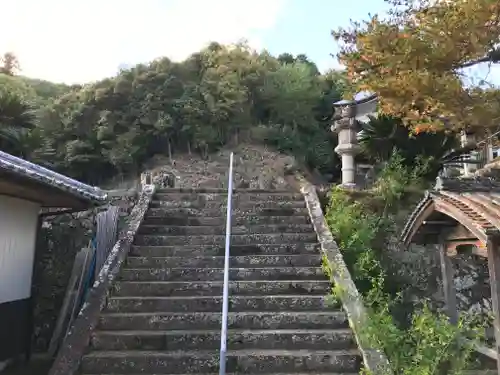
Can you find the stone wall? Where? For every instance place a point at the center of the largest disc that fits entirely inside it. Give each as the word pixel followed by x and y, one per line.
pixel 60 238
pixel 419 266
pixel 472 284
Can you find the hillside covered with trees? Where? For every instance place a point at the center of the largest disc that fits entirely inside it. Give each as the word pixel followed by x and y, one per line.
pixel 223 95
pixel 220 95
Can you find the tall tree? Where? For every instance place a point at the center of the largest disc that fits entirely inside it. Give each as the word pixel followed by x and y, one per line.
pixel 415 59
pixel 9 64
pixel 16 118
pixel 287 58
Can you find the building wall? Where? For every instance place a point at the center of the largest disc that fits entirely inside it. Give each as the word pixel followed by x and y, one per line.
pixel 18 226
pixel 18 229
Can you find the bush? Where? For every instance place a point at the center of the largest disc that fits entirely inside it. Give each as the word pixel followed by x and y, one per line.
pixel 429 345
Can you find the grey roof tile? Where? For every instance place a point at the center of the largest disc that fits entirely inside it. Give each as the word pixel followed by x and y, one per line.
pixel 50 178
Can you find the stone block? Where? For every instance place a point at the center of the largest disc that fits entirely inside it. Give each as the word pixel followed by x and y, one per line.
pixel 238 361
pixel 217 274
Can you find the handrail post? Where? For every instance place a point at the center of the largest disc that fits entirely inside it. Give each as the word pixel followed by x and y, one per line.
pixel 225 293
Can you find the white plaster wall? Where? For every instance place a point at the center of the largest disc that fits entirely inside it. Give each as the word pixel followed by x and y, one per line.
pixel 18 225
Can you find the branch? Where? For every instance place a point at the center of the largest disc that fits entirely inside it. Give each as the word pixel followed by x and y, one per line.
pixel 493 57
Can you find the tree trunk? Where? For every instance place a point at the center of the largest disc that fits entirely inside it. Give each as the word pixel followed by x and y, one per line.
pixel 169 147
pixel 205 152
pixel 236 137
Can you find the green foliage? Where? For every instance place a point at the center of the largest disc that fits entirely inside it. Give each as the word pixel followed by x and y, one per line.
pixel 17 117
pixel 45 91
pixel 220 95
pixel 9 65
pixel 382 135
pixel 287 58
pixel 354 230
pixel 14 85
pixel 429 345
pixel 395 179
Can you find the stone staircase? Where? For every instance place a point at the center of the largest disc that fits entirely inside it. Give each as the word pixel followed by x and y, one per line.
pixel 164 313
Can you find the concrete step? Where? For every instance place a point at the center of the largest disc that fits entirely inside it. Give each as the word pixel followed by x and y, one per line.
pixel 239 361
pixel 250 261
pixel 215 212
pixel 220 230
pixel 221 206
pixel 214 288
pixel 217 274
pixel 295 373
pixel 156 216
pixel 237 239
pixel 222 191
pixel 218 250
pixel 236 340
pixel 214 303
pixel 237 197
pixel 236 320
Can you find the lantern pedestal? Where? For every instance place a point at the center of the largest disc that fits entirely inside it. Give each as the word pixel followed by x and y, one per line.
pixel 347 124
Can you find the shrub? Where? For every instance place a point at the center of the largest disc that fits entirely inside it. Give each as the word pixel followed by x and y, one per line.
pixel 429 345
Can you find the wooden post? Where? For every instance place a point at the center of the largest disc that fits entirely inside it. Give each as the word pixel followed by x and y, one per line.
pixel 450 294
pixel 494 269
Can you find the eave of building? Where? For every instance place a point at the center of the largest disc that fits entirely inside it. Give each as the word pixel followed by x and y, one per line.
pixel 472 203
pixel 25 180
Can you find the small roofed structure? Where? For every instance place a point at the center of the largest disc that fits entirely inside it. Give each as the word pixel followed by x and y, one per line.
pixel 461 215
pixel 26 188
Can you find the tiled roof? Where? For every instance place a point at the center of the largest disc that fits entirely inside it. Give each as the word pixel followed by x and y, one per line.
pixel 475 203
pixel 50 178
pixel 467 185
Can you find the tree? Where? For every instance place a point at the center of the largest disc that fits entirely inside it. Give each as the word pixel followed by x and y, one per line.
pixel 10 64
pixel 223 94
pixel 16 118
pixel 415 59
pixel 287 58
pixel 16 85
pixel 293 95
pixel 385 134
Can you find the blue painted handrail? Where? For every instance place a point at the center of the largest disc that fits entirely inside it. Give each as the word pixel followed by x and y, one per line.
pixel 225 294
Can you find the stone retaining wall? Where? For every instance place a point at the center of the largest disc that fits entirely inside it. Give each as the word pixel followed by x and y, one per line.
pixel 374 360
pixel 60 238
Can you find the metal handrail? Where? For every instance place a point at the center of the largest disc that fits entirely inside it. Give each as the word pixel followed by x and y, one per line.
pixel 225 293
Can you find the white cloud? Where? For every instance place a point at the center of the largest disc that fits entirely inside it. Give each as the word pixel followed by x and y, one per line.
pixel 80 41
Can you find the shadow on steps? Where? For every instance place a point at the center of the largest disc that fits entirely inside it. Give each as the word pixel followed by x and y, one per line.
pixel 36 366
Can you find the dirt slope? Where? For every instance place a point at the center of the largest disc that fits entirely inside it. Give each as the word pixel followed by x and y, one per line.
pixel 255 167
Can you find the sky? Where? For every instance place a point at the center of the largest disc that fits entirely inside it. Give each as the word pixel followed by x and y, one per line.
pixel 75 41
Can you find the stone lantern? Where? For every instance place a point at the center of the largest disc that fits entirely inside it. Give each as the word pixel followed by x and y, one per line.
pixel 348 116
pixel 467 139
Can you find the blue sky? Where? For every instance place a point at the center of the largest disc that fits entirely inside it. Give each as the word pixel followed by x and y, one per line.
pixel 76 41
pixel 305 26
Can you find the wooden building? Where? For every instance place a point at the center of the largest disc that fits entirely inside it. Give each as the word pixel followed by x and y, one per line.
pixel 25 188
pixel 462 215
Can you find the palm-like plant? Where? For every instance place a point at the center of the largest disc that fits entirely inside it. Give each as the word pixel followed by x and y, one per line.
pixel 17 117
pixel 384 134
pixel 379 137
